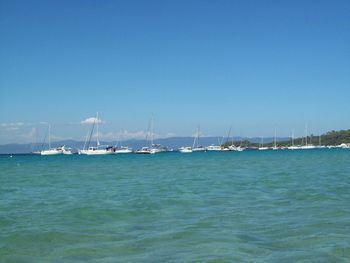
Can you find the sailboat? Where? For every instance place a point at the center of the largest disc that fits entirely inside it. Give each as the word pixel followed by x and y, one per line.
pixel 156 148
pixel 307 146
pixel 233 147
pixel 98 149
pixel 121 149
pixel 275 143
pixel 67 151
pixel 153 148
pixel 185 149
pixel 293 147
pixel 51 151
pixel 196 147
pixel 262 147
pixel 216 148
pixel 145 149
pixel 227 148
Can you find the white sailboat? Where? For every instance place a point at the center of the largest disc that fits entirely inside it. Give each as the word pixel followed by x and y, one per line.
pixel 307 146
pixel 67 151
pixel 156 148
pixel 214 148
pixel 98 149
pixel 123 149
pixel 153 148
pixel 275 142
pixel 196 147
pixel 235 148
pixel 262 147
pixel 239 149
pixel 185 149
pixel 293 147
pixel 51 151
pixel 232 147
pixel 344 146
pixel 227 148
pixel 145 149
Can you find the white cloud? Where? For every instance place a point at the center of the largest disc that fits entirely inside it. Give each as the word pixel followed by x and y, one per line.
pixel 12 125
pixel 91 120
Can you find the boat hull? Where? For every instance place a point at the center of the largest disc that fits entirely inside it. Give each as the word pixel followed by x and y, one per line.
pixel 198 149
pixel 95 152
pixel 51 152
pixel 185 150
pixel 122 151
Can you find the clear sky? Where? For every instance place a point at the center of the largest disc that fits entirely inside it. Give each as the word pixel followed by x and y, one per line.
pixel 255 65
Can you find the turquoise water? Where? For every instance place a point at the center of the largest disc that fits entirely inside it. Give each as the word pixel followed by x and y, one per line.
pixel 273 206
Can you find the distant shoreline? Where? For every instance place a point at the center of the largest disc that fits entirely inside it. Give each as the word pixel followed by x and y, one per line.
pixel 332 138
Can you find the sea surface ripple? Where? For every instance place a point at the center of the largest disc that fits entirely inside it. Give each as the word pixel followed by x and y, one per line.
pixel 271 206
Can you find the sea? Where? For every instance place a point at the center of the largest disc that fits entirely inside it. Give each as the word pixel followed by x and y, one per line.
pixel 251 206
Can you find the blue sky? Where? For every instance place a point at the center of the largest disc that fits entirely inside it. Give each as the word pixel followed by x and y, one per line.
pixel 255 65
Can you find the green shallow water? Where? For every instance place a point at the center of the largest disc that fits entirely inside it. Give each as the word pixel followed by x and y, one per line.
pixel 275 206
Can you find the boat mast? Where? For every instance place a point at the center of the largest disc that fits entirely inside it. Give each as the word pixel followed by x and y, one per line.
pixel 118 139
pixel 86 138
pixel 151 130
pixel 44 141
pixel 49 136
pixel 92 130
pixel 196 139
pixel 229 133
pixel 198 134
pixel 97 141
pixel 319 140
pixel 232 140
pixel 148 131
pixel 275 144
pixel 305 134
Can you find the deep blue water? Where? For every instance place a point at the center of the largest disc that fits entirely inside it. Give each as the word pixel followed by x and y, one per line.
pixel 271 206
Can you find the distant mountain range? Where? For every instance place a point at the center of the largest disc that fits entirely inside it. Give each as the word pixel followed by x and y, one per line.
pixel 171 142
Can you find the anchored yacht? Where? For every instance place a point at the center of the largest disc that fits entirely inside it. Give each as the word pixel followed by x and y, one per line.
pixel 185 149
pixel 153 148
pixel 67 151
pixel 98 149
pixel 262 147
pixel 51 151
pixel 143 150
pixel 214 148
pixel 123 149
